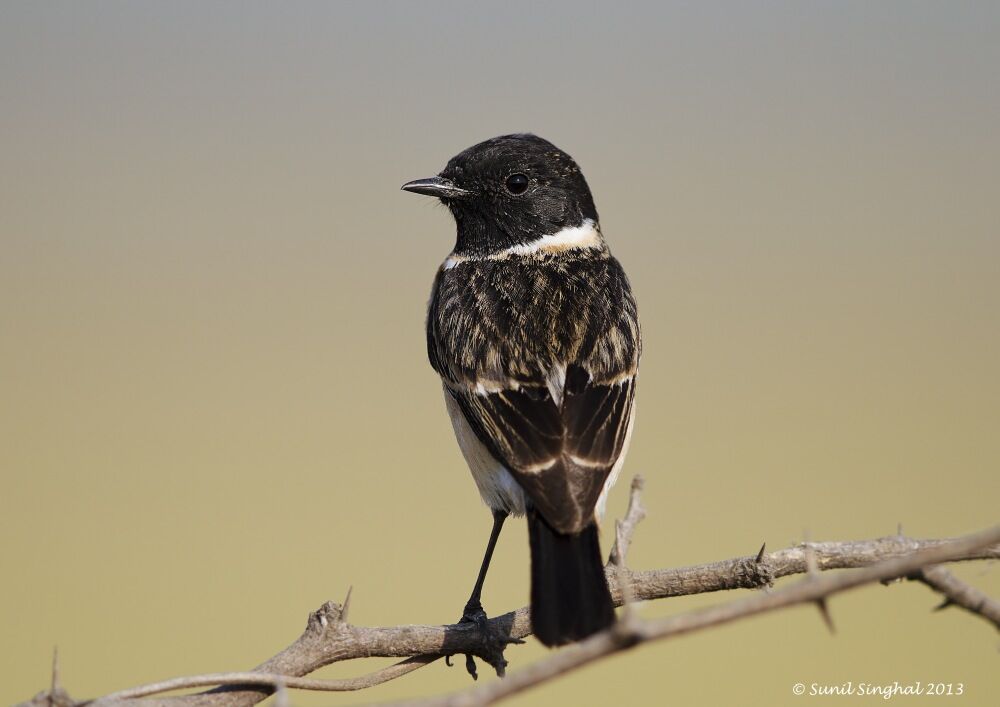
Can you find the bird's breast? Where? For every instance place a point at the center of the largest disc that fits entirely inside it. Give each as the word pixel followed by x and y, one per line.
pixel 516 318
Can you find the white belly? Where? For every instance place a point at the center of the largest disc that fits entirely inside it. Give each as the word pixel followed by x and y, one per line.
pixel 497 486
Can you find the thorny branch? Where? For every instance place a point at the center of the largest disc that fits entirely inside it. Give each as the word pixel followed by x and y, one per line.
pixel 958 593
pixel 329 638
pixel 813 588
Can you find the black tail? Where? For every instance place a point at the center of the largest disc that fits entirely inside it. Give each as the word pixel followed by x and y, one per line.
pixel 569 593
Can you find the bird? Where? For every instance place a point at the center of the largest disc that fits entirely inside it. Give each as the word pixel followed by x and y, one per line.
pixel 533 329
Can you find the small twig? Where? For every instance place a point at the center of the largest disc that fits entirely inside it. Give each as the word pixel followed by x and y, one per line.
pixel 625 528
pixel 958 593
pixel 624 586
pixel 268 680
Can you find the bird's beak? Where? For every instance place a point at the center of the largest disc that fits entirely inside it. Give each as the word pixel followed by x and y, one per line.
pixel 436 186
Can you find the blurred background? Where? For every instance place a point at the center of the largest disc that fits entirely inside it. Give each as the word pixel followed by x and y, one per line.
pixel 215 408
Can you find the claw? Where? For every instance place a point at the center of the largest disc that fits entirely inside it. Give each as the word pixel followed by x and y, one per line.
pixel 492 641
pixel 474 614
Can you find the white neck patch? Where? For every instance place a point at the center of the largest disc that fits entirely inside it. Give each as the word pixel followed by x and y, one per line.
pixel 586 235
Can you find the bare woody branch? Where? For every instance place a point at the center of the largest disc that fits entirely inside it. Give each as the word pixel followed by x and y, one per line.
pixel 329 638
pixel 813 588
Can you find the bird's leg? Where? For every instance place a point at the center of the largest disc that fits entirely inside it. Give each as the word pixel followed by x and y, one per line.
pixel 474 613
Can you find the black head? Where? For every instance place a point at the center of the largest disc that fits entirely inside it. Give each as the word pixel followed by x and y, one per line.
pixel 510 190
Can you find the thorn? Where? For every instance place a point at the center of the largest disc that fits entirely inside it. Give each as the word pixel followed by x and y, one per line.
pixel 619 546
pixel 347 605
pixel 470 666
pixel 54 687
pixel 824 611
pixel 760 554
pixel 447 661
pixel 812 567
pixel 944 604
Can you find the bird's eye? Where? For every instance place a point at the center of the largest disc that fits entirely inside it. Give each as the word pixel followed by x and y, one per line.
pixel 517 183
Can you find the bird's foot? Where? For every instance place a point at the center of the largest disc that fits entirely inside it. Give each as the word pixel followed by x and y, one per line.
pixel 492 642
pixel 475 614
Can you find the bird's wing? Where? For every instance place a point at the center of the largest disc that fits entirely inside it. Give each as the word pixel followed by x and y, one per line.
pixel 559 427
pixel 561 455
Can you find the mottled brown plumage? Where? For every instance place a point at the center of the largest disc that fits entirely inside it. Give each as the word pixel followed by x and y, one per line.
pixel 497 332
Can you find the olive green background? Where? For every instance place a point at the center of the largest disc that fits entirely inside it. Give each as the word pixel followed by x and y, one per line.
pixel 215 408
